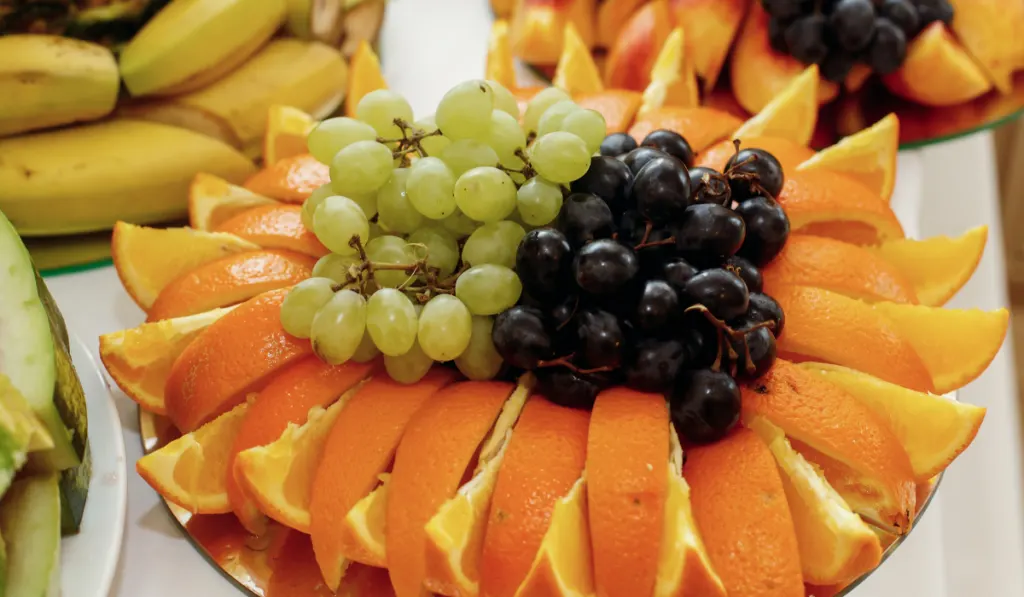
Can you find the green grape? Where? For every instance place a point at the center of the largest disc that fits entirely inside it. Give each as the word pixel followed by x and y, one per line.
pixel 302 303
pixel 366 202
pixel 334 266
pixel 392 250
pixel 380 108
pixel 338 327
pixel 488 289
pixel 505 137
pixel 465 111
pixel 480 361
pixel 535 108
pixel 391 321
pixel 560 157
pixel 460 224
pixel 431 187
pixel 366 351
pixel 435 144
pixel 410 367
pixel 334 134
pixel 337 221
pixel 539 201
pixel 376 230
pixel 588 125
pixel 361 168
pixel 553 117
pixel 485 194
pixel 442 248
pixel 445 327
pixel 495 243
pixel 468 154
pixel 313 201
pixel 504 100
pixel 394 211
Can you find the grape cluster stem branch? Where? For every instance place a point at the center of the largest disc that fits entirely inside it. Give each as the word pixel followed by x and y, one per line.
pixel 725 330
pixel 362 275
pixel 752 179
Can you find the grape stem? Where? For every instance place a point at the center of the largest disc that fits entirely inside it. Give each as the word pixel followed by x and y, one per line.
pixel 751 178
pixel 724 330
pixel 566 362
pixel 362 274
pixel 411 141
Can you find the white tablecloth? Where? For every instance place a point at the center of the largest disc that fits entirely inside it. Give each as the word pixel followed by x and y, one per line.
pixel 971 541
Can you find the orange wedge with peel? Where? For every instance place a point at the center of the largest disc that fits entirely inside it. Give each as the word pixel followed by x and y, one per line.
pixel 618 106
pixel 868 156
pixel 500 62
pixel 739 505
pixel 291 180
pixel 435 453
pixel 713 25
pixel 275 227
pixel 611 17
pixel 192 470
pixel 789 153
pixel 673 79
pixel 822 325
pixel 791 115
pixel 148 259
pixel 635 48
pixel 701 126
pixel 140 359
pixel 938 267
pixel 536 31
pixel 840 267
pixel 212 200
pixel 817 197
pixel 233 357
pixel 955 345
pixel 364 76
pixel 365 523
pixel 934 430
pixel 836 546
pixel 937 71
pixel 627 455
pixel 287 129
pixel 576 72
pixel 228 281
pixel 368 435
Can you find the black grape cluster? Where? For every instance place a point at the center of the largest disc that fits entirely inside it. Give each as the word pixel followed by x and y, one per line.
pixel 650 278
pixel 837 34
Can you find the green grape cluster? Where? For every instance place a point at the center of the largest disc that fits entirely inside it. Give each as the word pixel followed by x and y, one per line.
pixel 423 219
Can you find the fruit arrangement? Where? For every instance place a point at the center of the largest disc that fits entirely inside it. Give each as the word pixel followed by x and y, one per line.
pixel 45 465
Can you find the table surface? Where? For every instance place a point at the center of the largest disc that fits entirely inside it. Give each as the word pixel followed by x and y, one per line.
pixel 971 541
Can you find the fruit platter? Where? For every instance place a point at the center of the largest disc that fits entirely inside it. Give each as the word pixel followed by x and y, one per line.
pixel 558 341
pixel 946 68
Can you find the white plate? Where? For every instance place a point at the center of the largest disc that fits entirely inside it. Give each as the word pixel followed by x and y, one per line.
pixel 89 559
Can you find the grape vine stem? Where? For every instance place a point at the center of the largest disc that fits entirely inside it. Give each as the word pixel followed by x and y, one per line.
pixel 361 275
pixel 723 329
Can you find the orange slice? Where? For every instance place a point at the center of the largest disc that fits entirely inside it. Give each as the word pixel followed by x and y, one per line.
pixel 438 447
pixel 955 345
pixel 840 267
pixel 673 79
pixel 627 454
pixel 937 71
pixel 275 227
pixel 367 435
pixel 787 152
pixel 230 280
pixel 702 127
pixel 815 196
pixel 287 399
pixel 791 115
pixel 365 76
pixel 192 471
pixel 822 325
pixel 713 25
pixel 291 180
pixel 287 129
pixel 618 106
pixel 988 30
pixel 537 32
pixel 634 51
pixel 868 156
pixel 148 259
pixel 934 430
pixel 740 508
pixel 826 418
pixel 938 267
pixel 231 358
pixel 140 359
pixel 500 62
pixel 576 72
pixel 365 524
pixel 212 200
pixel 611 17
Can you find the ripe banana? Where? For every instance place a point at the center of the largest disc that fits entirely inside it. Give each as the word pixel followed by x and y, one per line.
pixel 310 76
pixel 49 80
pixel 85 178
pixel 191 43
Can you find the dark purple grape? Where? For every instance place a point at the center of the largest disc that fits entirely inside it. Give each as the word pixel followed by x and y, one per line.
pixel 564 311
pixel 930 11
pixel 677 271
pixel 765 308
pixel 609 179
pixel 805 38
pixel 521 338
pixel 786 9
pixel 767 230
pixel 655 365
pixel 638 158
pixel 600 340
pixel 761 356
pixel 661 190
pixel 700 337
pixel 708 185
pixel 888 49
pixel 671 143
pixel 658 308
pixel 604 266
pixel 853 23
pixel 568 388
pixel 709 234
pixel 617 144
pixel 653 258
pixel 747 272
pixel 753 172
pixel 837 66
pixel 903 13
pixel 777 35
pixel 705 405
pixel 585 218
pixel 722 292
pixel 544 264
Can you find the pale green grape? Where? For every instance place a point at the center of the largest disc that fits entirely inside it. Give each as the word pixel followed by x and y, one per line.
pixel 338 327
pixel 366 351
pixel 380 108
pixel 467 154
pixel 480 361
pixel 488 289
pixel 465 111
pixel 539 201
pixel 301 304
pixel 337 221
pixel 334 134
pixel 505 137
pixel 431 188
pixel 588 125
pixel 504 100
pixel 495 243
pixel 313 201
pixel 441 246
pixel 410 367
pixel 435 144
pixel 553 117
pixel 361 168
pixel 460 224
pixel 391 321
pixel 485 194
pixel 394 211
pixel 560 157
pixel 366 202
pixel 376 230
pixel 539 103
pixel 445 327
pixel 391 250
pixel 334 266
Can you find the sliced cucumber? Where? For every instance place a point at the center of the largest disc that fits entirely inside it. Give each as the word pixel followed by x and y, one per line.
pixel 30 525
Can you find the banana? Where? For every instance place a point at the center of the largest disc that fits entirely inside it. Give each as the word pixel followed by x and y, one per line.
pixel 85 178
pixel 191 43
pixel 310 76
pixel 49 81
